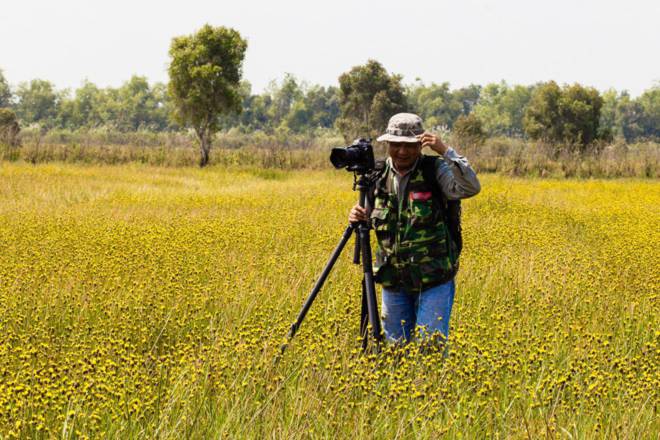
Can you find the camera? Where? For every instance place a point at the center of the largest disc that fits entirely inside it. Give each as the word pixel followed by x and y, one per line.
pixel 358 157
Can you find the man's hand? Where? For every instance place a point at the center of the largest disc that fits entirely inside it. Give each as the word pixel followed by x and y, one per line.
pixel 433 142
pixel 357 214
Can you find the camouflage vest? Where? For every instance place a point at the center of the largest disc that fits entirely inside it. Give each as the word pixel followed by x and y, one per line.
pixel 414 250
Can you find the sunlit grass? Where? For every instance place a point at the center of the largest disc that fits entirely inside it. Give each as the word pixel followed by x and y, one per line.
pixel 143 302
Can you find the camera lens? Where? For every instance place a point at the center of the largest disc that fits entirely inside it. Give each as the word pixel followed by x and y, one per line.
pixel 340 157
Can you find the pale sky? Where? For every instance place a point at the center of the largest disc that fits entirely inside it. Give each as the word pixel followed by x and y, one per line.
pixel 601 43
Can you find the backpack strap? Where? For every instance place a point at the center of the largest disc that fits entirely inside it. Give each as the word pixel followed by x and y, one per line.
pixel 451 208
pixel 428 172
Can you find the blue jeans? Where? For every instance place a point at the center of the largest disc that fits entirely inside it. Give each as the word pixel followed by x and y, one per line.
pixel 430 309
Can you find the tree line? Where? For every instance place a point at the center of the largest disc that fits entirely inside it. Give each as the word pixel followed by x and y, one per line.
pixel 291 104
pixel 206 92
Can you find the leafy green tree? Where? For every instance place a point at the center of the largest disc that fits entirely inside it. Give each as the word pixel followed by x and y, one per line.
pixel 287 105
pixel 542 118
pixel 569 115
pixel 133 106
pixel 87 108
pixel 434 104
pixel 607 126
pixel 283 96
pixel 242 120
pixel 205 74
pixel 298 119
pixel 439 106
pixel 255 114
pixel 300 108
pixel 467 97
pixel 322 103
pixel 161 112
pixel 369 96
pixel 5 92
pixel 650 103
pixel 501 108
pixel 38 102
pixel 580 113
pixel 629 117
pixel 136 106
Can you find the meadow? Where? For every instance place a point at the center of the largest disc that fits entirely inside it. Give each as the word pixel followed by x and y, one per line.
pixel 149 302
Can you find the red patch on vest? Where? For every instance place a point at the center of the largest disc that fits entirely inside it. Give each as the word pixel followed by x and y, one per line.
pixel 423 196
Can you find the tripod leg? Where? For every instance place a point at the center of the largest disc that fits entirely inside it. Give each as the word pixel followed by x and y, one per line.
pixel 364 318
pixel 369 286
pixel 319 283
pixel 356 250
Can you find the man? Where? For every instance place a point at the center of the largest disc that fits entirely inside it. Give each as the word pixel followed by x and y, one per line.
pixel 416 259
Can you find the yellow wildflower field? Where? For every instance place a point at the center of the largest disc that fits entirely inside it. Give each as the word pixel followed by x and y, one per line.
pixel 140 302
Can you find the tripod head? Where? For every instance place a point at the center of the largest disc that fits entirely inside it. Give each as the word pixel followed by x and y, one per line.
pixel 368 179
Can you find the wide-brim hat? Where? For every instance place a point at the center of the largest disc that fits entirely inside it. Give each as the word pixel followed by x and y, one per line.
pixel 402 127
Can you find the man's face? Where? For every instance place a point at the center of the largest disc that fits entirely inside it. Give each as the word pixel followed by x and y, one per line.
pixel 404 154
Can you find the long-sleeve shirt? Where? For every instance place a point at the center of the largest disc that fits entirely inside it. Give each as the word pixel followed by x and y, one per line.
pixel 455 175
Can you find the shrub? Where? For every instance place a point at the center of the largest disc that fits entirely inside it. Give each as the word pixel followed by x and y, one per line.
pixel 468 130
pixel 9 128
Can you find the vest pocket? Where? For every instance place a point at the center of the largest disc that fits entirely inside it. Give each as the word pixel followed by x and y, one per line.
pixel 421 212
pixel 381 224
pixel 379 218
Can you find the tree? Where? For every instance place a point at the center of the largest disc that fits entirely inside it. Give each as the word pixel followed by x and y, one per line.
pixel 501 108
pixel 542 119
pixel 323 106
pixel 438 106
pixel 136 106
pixel 256 110
pixel 607 126
pixel 5 92
pixel 630 117
pixel 434 104
pixel 9 127
pixel 88 108
pixel 650 103
pixel 564 115
pixel 38 102
pixel 369 96
pixel 580 113
pixel 283 98
pixel 205 74
pixel 159 118
pixel 299 108
pixel 298 119
pixel 469 130
pixel 467 97
pixel 286 105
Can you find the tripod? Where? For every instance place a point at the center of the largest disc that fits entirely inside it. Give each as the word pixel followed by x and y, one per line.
pixel 369 309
